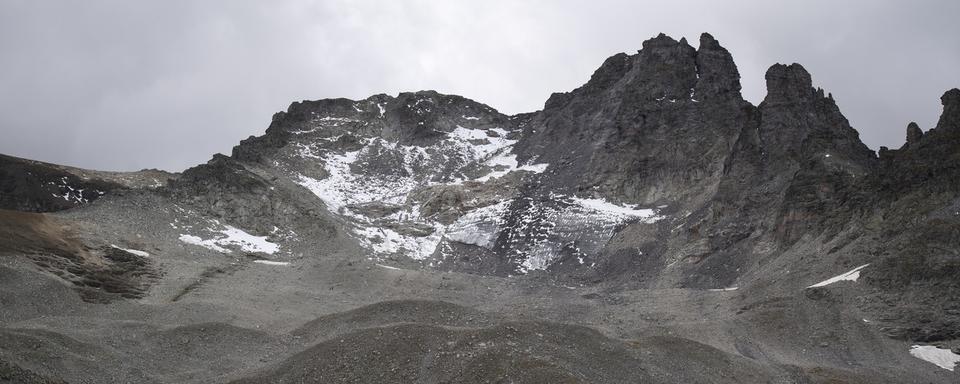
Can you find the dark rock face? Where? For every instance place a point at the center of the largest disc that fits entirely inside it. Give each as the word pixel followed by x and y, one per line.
pixel 649 128
pixel 674 130
pixel 810 152
pixel 718 75
pixel 917 191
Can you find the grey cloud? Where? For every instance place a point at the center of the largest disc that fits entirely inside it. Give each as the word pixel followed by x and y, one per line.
pixel 127 85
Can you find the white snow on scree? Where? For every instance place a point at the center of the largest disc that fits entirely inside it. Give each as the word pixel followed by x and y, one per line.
pixel 466 148
pixel 849 276
pixel 133 251
pixel 943 358
pixel 236 237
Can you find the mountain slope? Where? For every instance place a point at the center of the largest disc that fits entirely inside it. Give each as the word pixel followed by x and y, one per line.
pixel 650 225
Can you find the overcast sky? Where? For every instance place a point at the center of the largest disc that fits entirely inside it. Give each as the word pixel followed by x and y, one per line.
pixel 125 85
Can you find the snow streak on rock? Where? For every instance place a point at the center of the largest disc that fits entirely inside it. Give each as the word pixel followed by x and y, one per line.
pixel 849 276
pixel 271 262
pixel 132 251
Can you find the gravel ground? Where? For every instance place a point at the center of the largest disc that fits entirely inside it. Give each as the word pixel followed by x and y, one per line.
pixel 332 315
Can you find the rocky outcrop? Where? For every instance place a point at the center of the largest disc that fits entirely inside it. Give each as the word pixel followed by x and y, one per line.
pixel 928 162
pixel 244 195
pixel 33 186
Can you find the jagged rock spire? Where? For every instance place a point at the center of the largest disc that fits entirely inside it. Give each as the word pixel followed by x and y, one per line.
pixel 950 119
pixel 914 133
pixel 717 73
pixel 788 83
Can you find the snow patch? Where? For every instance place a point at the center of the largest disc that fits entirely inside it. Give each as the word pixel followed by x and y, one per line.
pixel 853 275
pixel 133 251
pixel 943 358
pixel 271 262
pixel 728 289
pixel 627 211
pixel 209 244
pixel 235 237
pixel 246 241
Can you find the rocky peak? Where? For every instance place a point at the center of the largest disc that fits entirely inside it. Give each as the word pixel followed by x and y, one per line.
pixel 914 134
pixel 788 83
pixel 800 122
pixel 611 71
pixel 660 41
pixel 665 69
pixel 950 119
pixel 717 73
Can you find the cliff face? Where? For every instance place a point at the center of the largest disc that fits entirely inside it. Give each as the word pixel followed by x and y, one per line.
pixel 651 128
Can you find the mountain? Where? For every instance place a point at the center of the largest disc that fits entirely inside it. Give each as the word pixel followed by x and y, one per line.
pixel 649 226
